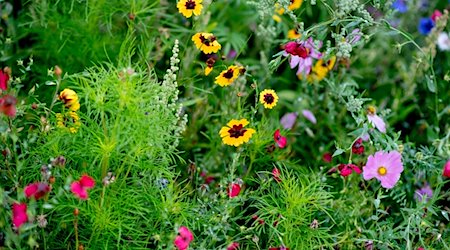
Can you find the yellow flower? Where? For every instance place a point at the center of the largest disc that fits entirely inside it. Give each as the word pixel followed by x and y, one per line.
pixel 228 76
pixel 70 120
pixel 269 98
pixel 189 7
pixel 206 42
pixel 321 69
pixel 293 34
pixel 276 18
pixel 208 70
pixel 70 99
pixel 295 4
pixel 234 134
pixel 278 9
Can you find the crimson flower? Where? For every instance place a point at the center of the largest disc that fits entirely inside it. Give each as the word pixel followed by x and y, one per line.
pixel 446 170
pixel 8 105
pixel 79 188
pixel 234 189
pixel 233 246
pixel 19 214
pixel 4 78
pixel 36 190
pixel 183 238
pixel 276 174
pixel 358 147
pixel 327 157
pixel 347 169
pixel 279 139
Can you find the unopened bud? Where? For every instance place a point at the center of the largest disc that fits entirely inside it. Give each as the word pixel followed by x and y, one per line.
pixel 76 212
pixel 58 71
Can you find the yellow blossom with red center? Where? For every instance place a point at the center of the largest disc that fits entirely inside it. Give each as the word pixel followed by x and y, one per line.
pixel 189 7
pixel 206 42
pixel 228 76
pixel 235 133
pixel 268 98
pixel 70 99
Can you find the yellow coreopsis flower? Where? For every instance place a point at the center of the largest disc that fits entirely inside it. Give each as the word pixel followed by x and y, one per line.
pixel 293 34
pixel 321 69
pixel 228 76
pixel 268 98
pixel 234 134
pixel 70 99
pixel 295 4
pixel 206 42
pixel 189 7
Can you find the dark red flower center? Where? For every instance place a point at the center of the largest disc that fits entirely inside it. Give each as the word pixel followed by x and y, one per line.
pixel 190 5
pixel 207 41
pixel 228 74
pixel 268 98
pixel 292 1
pixel 237 131
pixel 297 49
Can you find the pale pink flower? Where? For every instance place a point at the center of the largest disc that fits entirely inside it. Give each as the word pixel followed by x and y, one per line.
pixel 309 115
pixel 302 54
pixel 375 120
pixel 386 167
pixel 288 120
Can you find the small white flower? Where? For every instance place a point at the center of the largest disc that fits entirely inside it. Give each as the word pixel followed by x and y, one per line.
pixel 443 41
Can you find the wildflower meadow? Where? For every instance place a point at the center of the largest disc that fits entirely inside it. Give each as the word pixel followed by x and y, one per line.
pixel 225 124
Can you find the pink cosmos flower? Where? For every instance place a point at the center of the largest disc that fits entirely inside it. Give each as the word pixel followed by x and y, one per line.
pixel 276 174
pixel 233 246
pixel 446 170
pixel 36 190
pixel 288 120
pixel 279 139
pixel 234 189
pixel 4 78
pixel 386 167
pixel 183 238
pixel 79 188
pixel 375 120
pixel 302 54
pixel 8 105
pixel 19 214
pixel 347 169
pixel 309 115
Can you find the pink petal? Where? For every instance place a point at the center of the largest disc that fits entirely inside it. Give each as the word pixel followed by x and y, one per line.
pixel 234 190
pixel 294 61
pixel 376 121
pixel 19 214
pixel 180 243
pixel 37 190
pixel 309 115
pixel 446 169
pixel 87 181
pixel 79 190
pixel 233 246
pixel 185 233
pixel 288 120
pixel 279 139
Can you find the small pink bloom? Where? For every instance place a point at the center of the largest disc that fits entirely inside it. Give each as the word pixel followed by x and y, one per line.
pixel 19 214
pixel 446 170
pixel 347 169
pixel 276 174
pixel 36 190
pixel 365 137
pixel 354 36
pixel 386 167
pixel 420 248
pixel 234 190
pixel 79 188
pixel 358 147
pixel 376 121
pixel 301 54
pixel 183 239
pixel 435 16
pixel 4 78
pixel 309 115
pixel 279 139
pixel 233 246
pixel 327 157
pixel 288 120
pixel 8 105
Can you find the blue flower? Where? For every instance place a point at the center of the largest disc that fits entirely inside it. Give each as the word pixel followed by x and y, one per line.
pixel 400 6
pixel 426 24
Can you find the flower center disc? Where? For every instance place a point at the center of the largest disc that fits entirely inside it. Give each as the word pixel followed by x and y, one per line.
pixel 382 171
pixel 237 131
pixel 190 5
pixel 268 98
pixel 228 74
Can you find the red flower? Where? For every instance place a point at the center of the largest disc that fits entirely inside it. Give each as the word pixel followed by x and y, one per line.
pixel 327 157
pixel 347 169
pixel 358 147
pixel 183 238
pixel 279 139
pixel 279 248
pixel 4 78
pixel 276 174
pixel 19 214
pixel 79 188
pixel 446 171
pixel 234 190
pixel 8 105
pixel 233 246
pixel 36 190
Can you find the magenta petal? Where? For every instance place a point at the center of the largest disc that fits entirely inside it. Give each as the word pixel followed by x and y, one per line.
pixel 87 181
pixel 180 243
pixel 19 214
pixel 78 190
pixel 234 190
pixel 185 233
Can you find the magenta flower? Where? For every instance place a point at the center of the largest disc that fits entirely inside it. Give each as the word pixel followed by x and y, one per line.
pixel 79 188
pixel 19 214
pixel 302 54
pixel 425 192
pixel 386 167
pixel 183 238
pixel 309 115
pixel 288 120
pixel 279 139
pixel 234 189
pixel 36 190
pixel 446 169
pixel 4 78
pixel 375 120
pixel 348 169
pixel 233 246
